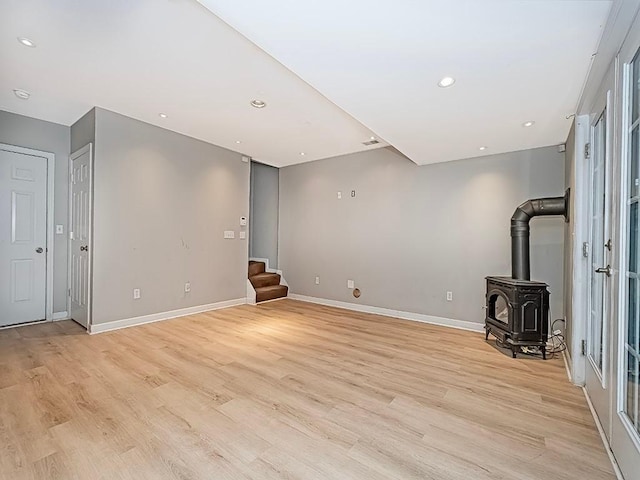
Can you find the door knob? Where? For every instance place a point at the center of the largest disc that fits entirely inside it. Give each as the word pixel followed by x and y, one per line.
pixel 39 250
pixel 606 270
pixel 84 249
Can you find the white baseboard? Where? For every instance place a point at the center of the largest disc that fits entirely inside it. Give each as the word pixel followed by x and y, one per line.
pixel 417 317
pixel 604 438
pixel 566 357
pixel 157 317
pixel 60 316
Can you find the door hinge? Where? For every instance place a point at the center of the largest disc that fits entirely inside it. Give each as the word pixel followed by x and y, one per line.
pixel 587 150
pixel 69 292
pixel 585 249
pixel 583 347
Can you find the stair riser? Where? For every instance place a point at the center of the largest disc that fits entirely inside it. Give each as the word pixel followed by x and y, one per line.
pixel 256 268
pixel 272 294
pixel 265 280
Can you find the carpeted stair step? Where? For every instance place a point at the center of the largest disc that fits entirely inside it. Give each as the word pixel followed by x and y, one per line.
pixel 271 292
pixel 256 268
pixel 265 280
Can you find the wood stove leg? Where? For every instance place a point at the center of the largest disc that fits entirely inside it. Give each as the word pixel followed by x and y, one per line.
pixel 486 334
pixel 514 352
pixel 544 352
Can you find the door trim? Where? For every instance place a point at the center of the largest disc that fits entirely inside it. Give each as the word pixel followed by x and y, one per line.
pixel 51 161
pixel 78 153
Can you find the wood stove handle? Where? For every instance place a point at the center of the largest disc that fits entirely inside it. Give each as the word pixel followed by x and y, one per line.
pixel 606 270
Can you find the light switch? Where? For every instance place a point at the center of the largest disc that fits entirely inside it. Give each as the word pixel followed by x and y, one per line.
pixel 339 195
pixel 350 284
pixel 59 229
pixel 229 234
pixel 243 235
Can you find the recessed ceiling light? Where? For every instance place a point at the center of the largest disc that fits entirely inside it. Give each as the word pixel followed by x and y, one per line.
pixel 302 153
pixel 26 42
pixel 238 141
pixel 483 148
pixel 163 115
pixel 446 82
pixel 530 123
pixel 258 104
pixel 22 94
pixel 372 138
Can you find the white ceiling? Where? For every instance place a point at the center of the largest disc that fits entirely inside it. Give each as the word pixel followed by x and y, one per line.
pixel 143 57
pixel 379 61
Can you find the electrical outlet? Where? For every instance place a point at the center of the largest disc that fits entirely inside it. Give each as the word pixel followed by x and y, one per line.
pixel 449 296
pixel 350 284
pixel 557 332
pixel 243 235
pixel 136 293
pixel 59 229
pixel 317 280
pixel 353 193
pixel 187 287
pixel 229 234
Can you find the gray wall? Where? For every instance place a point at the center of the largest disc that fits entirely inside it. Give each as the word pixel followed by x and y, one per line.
pixel 49 137
pixel 84 131
pixel 161 203
pixel 569 181
pixel 263 218
pixel 412 233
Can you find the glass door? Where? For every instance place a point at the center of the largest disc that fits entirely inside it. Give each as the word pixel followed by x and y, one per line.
pixel 625 428
pixel 600 246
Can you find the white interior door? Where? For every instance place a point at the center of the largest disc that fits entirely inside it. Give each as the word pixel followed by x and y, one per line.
pixel 600 246
pixel 81 211
pixel 23 237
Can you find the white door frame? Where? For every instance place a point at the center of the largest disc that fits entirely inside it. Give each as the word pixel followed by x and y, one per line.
pixel 78 153
pixel 51 161
pixel 580 236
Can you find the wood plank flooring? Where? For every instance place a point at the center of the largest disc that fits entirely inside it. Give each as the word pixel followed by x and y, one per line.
pixel 286 390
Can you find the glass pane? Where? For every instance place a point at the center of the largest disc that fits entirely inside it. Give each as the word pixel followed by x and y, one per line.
pixel 632 314
pixel 597 240
pixel 631 398
pixel 635 92
pixel 633 237
pixel 634 181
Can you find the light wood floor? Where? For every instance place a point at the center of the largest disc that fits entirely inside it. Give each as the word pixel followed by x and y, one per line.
pixel 286 390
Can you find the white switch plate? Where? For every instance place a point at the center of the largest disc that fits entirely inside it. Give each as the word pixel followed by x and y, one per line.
pixel 187 287
pixel 449 296
pixel 243 221
pixel 59 229
pixel 350 284
pixel 136 293
pixel 317 280
pixel 339 195
pixel 229 234
pixel 243 235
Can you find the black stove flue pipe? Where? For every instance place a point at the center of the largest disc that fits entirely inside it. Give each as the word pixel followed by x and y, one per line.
pixel 520 262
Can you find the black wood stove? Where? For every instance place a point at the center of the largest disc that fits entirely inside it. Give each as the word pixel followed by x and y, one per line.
pixel 517 309
pixel 518 313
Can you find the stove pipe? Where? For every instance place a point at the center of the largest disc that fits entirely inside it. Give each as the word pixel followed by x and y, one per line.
pixel 520 263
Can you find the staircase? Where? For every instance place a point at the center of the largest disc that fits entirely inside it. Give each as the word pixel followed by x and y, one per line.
pixel 267 285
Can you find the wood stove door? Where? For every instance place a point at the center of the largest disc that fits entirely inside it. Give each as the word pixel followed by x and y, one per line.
pixel 597 347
